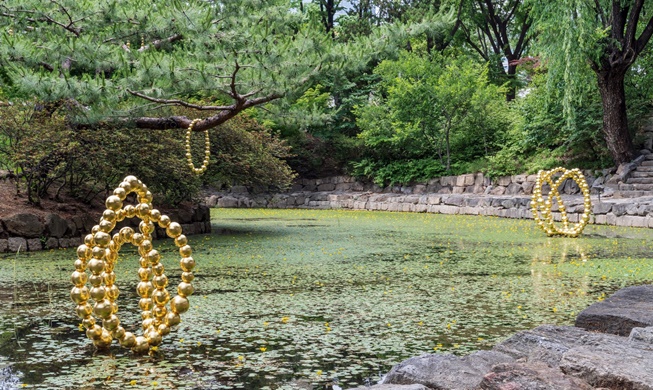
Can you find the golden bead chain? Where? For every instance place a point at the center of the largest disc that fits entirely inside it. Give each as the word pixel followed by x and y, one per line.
pixel 541 207
pixel 99 253
pixel 207 149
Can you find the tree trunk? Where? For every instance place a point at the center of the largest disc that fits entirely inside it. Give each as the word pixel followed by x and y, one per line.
pixel 512 87
pixel 615 118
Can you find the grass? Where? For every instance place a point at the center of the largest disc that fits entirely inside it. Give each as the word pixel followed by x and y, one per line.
pixel 298 298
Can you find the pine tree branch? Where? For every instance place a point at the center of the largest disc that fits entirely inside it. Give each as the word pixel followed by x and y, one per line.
pixel 182 122
pixel 182 103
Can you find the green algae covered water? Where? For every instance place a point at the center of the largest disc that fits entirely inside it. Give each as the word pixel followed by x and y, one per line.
pixel 300 299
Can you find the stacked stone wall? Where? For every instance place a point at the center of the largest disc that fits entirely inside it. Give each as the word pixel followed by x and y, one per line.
pixel 506 197
pixel 31 232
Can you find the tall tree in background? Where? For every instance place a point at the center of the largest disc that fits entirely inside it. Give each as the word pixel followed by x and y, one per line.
pixel 607 36
pixel 498 30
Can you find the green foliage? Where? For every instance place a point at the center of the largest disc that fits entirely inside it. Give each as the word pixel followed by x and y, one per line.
pixel 244 152
pixel 399 171
pixel 50 158
pixel 432 107
pixel 95 52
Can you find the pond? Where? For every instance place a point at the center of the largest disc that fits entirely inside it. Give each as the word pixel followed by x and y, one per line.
pixel 300 299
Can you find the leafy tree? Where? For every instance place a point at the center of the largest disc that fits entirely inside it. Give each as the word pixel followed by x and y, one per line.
pixel 428 105
pixel 608 36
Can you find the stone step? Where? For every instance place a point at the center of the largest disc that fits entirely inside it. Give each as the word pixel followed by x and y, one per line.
pixel 649 156
pixel 640 180
pixel 643 168
pixel 642 174
pixel 630 194
pixel 647 163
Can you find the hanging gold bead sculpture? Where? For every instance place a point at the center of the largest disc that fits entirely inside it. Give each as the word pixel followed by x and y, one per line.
pixel 207 150
pixel 541 207
pixel 99 254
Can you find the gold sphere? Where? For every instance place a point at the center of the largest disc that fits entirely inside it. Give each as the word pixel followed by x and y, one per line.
pixel 144 289
pixel 84 252
pixel 179 305
pixel 187 264
pixel 146 304
pixel 141 345
pixel 185 251
pixel 79 279
pixel 173 230
pixel 128 340
pixel 185 289
pixel 113 203
pixel 164 221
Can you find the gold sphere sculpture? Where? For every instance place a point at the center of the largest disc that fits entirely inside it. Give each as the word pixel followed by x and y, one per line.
pixel 541 206
pixel 207 150
pixel 97 306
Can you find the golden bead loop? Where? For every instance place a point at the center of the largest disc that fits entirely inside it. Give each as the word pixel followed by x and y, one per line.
pixel 99 254
pixel 541 207
pixel 207 150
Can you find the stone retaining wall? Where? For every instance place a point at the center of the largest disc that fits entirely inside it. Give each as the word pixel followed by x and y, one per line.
pixel 462 184
pixel 515 203
pixel 29 232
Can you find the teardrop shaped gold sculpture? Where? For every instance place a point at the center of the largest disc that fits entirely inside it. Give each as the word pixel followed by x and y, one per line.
pixel 99 253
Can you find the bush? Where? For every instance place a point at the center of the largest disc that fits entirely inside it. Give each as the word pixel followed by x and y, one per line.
pixel 49 156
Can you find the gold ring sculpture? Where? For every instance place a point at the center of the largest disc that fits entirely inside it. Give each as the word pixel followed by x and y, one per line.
pixel 207 150
pixel 99 253
pixel 542 207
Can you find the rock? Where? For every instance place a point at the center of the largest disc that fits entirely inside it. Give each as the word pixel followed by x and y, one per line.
pixel 55 226
pixel 4 245
pixel 24 225
pixel 211 201
pixel 601 207
pixel 228 202
pixel 638 334
pixel 504 181
pixel 532 376
pixel 499 190
pixel 16 243
pixel 242 190
pixel 446 371
pixel 546 343
pixel 34 244
pixel 392 387
pixel 610 361
pixel 51 243
pixel 527 187
pixel 624 170
pixel 326 187
pixel 626 309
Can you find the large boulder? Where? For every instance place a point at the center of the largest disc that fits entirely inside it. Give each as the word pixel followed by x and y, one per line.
pixel 533 376
pixel 24 225
pixel 55 226
pixel 609 361
pixel 546 343
pixel 446 371
pixel 626 309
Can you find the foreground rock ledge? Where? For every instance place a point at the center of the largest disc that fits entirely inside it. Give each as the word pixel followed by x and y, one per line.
pixel 550 357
